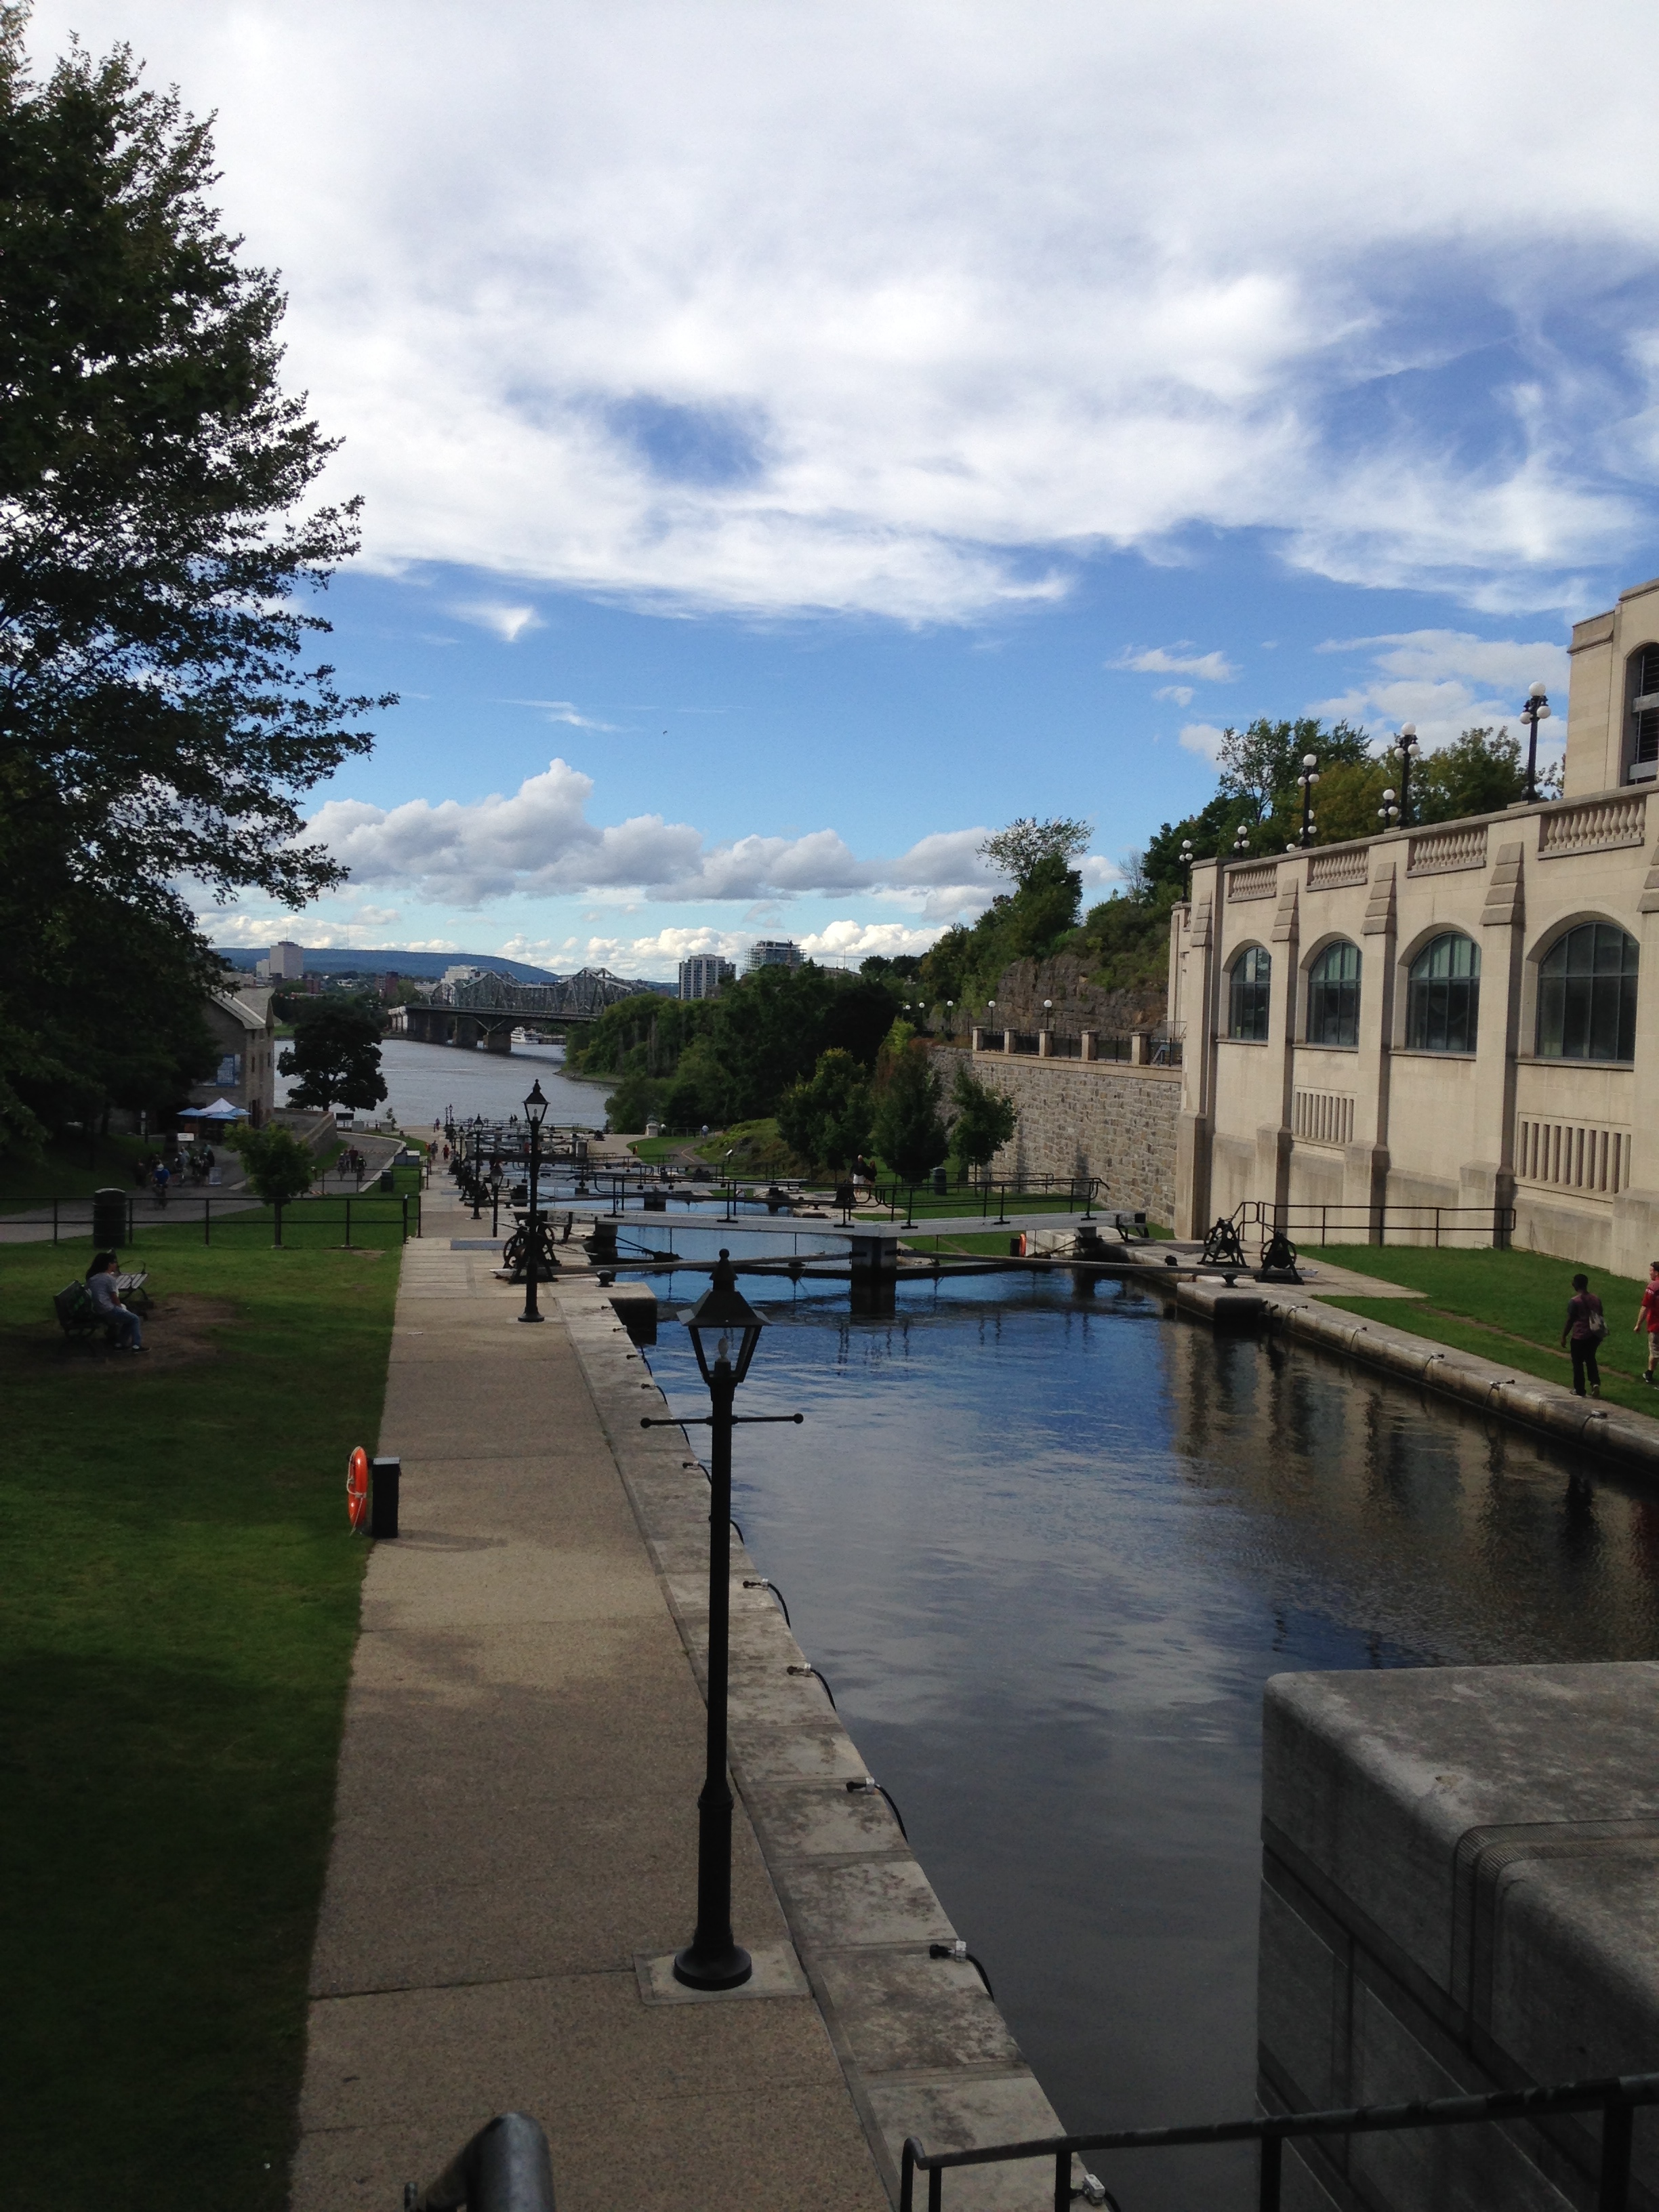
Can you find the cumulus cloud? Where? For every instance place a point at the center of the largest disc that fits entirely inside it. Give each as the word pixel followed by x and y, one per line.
pixel 884 307
pixel 1446 682
pixel 1181 694
pixel 539 842
pixel 1159 661
pixel 1203 738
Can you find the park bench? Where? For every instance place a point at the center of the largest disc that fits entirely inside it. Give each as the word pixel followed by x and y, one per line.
pixel 81 1321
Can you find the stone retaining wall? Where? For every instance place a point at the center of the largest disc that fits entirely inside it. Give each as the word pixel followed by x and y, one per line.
pixel 1087 1117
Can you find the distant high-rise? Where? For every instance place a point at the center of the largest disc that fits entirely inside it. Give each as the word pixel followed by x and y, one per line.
pixel 285 963
pixel 702 976
pixel 774 952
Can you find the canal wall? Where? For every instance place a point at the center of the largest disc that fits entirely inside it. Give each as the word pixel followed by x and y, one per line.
pixel 1077 1117
pixel 1459 1894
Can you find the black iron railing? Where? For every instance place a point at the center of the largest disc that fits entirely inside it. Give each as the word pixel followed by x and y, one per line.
pixel 364 1218
pixel 1616 2098
pixel 1312 1223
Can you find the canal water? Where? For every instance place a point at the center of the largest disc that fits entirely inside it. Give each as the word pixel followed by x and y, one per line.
pixel 1048 1550
pixel 424 1082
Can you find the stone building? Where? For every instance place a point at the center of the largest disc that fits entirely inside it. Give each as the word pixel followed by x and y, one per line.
pixel 244 1030
pixel 1448 1018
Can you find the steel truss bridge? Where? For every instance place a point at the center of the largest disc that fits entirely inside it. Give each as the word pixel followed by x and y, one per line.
pixel 487 1009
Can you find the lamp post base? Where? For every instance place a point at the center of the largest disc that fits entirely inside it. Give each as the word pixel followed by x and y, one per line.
pixel 722 1970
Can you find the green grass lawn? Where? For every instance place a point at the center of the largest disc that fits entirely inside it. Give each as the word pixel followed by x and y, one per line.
pixel 181 1604
pixel 1506 1306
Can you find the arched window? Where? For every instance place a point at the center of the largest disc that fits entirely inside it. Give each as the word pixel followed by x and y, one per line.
pixel 1334 995
pixel 1442 995
pixel 1587 994
pixel 1252 988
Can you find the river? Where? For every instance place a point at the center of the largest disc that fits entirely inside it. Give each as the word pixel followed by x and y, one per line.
pixel 1048 1550
pixel 425 1082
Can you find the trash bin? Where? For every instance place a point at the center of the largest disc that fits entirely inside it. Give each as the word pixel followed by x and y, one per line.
pixel 109 1218
pixel 386 1181
pixel 941 1182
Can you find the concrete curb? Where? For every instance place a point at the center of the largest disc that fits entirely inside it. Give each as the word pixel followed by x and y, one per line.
pixel 1484 1386
pixel 923 2049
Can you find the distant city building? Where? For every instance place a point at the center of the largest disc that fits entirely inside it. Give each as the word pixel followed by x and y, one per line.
pixel 242 1067
pixel 285 963
pixel 389 983
pixel 463 975
pixel 702 976
pixel 774 952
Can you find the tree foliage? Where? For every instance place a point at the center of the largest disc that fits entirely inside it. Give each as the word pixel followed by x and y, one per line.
pixel 827 1121
pixel 985 1120
pixel 1020 850
pixel 1029 923
pixel 279 1167
pixel 155 547
pixel 908 1131
pixel 336 1054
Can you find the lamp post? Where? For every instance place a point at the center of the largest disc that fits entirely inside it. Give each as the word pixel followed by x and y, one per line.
pixel 1187 862
pixel 1404 745
pixel 1388 813
pixel 725 1329
pixel 535 1112
pixel 1536 710
pixel 1242 839
pixel 1308 777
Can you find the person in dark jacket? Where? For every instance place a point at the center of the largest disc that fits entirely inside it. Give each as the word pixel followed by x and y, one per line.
pixel 1586 1325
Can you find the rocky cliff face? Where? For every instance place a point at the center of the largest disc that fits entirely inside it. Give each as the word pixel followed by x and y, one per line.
pixel 1078 1004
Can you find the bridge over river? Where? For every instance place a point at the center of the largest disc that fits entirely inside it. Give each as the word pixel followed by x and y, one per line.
pixel 485 1010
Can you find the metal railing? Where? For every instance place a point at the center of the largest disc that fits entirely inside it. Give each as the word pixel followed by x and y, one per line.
pixel 1026 1041
pixel 1615 2097
pixel 1410 1223
pixel 505 2168
pixel 73 1219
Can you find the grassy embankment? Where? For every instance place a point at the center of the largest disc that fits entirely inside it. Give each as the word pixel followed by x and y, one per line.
pixel 69 1164
pixel 181 1604
pixel 1507 1306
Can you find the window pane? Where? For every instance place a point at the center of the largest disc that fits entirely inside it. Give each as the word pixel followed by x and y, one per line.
pixel 1587 993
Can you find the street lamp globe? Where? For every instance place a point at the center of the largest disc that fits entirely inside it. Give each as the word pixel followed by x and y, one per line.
pixel 722 1325
pixel 535 1107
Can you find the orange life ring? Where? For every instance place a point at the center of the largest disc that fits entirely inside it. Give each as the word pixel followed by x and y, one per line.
pixel 357 1487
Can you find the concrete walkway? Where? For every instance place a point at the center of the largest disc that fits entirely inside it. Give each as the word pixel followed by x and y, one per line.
pixel 515 1820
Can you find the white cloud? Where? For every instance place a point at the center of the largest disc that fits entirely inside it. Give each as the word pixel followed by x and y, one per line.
pixel 507 623
pixel 1181 694
pixel 887 307
pixel 563 711
pixel 539 842
pixel 1203 738
pixel 1159 661
pixel 853 941
pixel 1447 681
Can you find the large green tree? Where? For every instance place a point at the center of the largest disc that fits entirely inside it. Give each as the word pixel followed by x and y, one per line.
pixel 827 1121
pixel 909 1133
pixel 336 1054
pixel 157 545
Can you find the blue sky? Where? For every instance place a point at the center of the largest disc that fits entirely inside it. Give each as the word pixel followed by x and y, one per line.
pixel 796 441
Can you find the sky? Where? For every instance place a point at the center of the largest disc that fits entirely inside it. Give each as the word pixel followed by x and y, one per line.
pixel 796 441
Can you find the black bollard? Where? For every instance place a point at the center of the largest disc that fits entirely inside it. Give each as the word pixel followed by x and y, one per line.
pixel 386 1479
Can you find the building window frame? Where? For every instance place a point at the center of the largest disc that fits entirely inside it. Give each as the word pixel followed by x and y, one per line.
pixel 1249 995
pixel 1334 975
pixel 1587 994
pixel 1641 746
pixel 1442 995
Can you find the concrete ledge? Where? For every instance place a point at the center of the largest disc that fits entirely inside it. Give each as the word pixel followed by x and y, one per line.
pixel 1486 1386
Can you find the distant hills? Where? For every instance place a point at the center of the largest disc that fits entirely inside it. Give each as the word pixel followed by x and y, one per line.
pixel 332 960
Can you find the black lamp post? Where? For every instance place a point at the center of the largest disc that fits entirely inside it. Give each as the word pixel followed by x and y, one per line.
pixel 1536 710
pixel 725 1329
pixel 535 1112
pixel 1405 744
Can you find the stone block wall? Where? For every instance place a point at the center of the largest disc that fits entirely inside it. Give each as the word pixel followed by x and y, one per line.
pixel 1087 1117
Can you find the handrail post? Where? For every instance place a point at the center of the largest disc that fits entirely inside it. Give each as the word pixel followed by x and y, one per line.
pixel 207 1221
pixel 1613 2194
pixel 908 2176
pixel 936 2189
pixel 1272 2154
pixel 1062 2181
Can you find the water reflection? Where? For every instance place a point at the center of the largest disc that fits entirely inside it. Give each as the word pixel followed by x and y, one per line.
pixel 1049 1550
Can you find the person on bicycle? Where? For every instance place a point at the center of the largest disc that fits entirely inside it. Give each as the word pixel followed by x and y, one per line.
pixel 159 1182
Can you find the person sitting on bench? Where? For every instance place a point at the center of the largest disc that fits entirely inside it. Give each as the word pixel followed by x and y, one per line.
pixel 123 1322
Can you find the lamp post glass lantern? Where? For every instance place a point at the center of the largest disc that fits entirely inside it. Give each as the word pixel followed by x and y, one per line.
pixel 725 1329
pixel 1536 710
pixel 1308 777
pixel 535 1113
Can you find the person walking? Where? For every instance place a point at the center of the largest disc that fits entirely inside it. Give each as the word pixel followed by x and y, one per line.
pixel 160 1181
pixel 1648 1318
pixel 121 1320
pixel 1586 1326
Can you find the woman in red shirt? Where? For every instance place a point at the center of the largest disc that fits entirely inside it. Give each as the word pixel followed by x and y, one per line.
pixel 1648 1318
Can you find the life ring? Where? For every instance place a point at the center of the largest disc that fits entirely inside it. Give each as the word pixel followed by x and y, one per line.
pixel 357 1487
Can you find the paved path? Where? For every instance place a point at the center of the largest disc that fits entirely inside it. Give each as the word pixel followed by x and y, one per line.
pixel 515 1820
